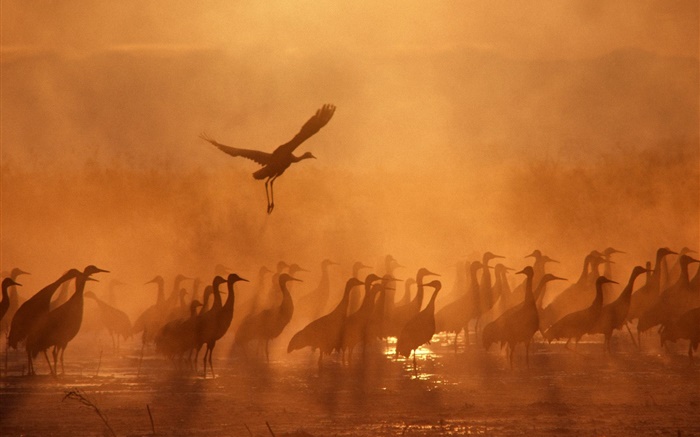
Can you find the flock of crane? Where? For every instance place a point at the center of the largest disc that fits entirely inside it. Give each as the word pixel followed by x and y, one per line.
pixel 368 312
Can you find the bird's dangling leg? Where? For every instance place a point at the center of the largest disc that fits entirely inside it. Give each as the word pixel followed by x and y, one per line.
pixel 267 195
pixel 272 196
pixel 211 366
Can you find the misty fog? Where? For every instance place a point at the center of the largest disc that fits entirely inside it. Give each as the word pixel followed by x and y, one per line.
pixel 459 129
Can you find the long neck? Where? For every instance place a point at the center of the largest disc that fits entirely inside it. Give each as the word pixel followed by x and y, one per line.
pixel 598 301
pixel 656 275
pixel 529 296
pixel 78 296
pixel 431 304
pixel 683 279
pixel 230 299
pixel 217 296
pixel 368 302
pixel 485 275
pixel 418 300
pixel 5 295
pixel 343 305
pixel 287 303
pixel 627 292
pixel 299 158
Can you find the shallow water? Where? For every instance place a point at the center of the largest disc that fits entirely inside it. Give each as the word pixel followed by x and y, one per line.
pixel 472 392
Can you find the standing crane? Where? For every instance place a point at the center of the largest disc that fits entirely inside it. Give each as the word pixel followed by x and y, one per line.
pixel 614 314
pixel 403 314
pixel 268 324
pixel 275 163
pixel 519 323
pixel 355 327
pixel 58 327
pixel 223 321
pixel 575 325
pixel 14 299
pixel 5 303
pixel 420 329
pixel 113 319
pixel 325 333
pixel 207 320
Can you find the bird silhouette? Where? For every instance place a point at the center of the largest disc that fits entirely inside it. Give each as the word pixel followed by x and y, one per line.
pixel 519 323
pixel 577 295
pixel 575 325
pixel 113 319
pixel 14 299
pixel 149 322
pixel 402 314
pixel 247 304
pixel 222 321
pixel 355 327
pixel 406 298
pixel 177 336
pixel 486 296
pixel 609 293
pixel 687 326
pixel 645 296
pixel 313 304
pixel 59 326
pixel 34 308
pixel 674 301
pixel 456 315
pixel 420 329
pixel 325 333
pixel 268 324
pixel 207 321
pixel 614 314
pixel 5 303
pixel 275 163
pixel 356 295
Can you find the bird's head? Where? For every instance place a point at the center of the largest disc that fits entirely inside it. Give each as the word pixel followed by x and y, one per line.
pixel 91 270
pixel 233 278
pixel 17 271
pixel 286 277
pixel 307 155
pixel 8 282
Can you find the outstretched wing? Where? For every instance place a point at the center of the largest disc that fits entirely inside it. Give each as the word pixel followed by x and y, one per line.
pixel 315 123
pixel 262 158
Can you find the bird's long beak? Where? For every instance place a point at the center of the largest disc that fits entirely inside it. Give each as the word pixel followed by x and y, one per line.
pixel 99 270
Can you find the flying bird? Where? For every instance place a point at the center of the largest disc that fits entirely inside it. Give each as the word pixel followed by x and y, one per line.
pixel 275 163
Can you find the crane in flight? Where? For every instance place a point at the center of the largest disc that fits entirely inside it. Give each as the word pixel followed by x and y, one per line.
pixel 275 163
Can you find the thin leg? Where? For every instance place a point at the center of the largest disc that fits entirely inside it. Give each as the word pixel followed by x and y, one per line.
pixel 510 355
pixel 267 195
pixel 415 369
pixel 272 195
pixel 51 369
pixel 30 363
pixel 637 345
pixel 211 366
pixel 54 352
